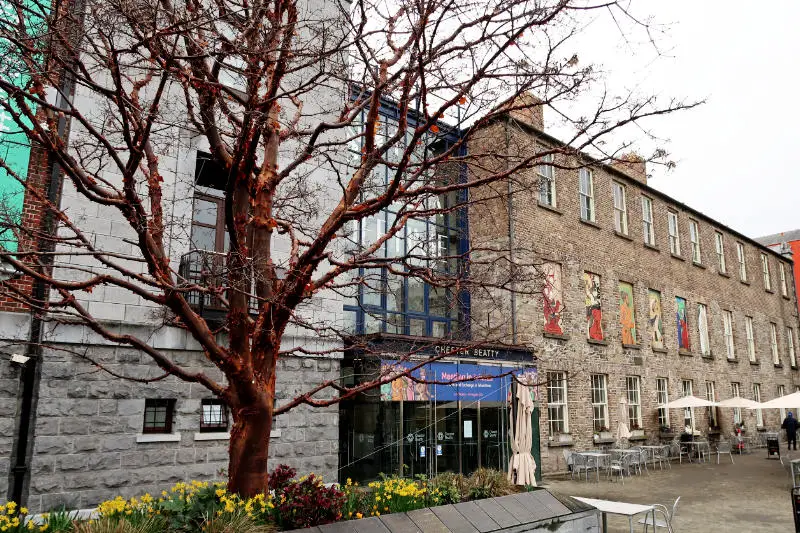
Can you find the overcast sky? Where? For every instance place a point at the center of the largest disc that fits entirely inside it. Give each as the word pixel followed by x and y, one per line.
pixel 737 155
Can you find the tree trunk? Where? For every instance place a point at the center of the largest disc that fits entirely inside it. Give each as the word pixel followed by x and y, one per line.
pixel 248 472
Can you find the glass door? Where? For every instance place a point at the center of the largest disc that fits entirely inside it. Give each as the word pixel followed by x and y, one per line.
pixel 446 442
pixel 417 439
pixel 493 429
pixel 469 437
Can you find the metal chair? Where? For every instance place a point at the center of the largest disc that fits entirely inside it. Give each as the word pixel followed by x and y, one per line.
pixel 622 465
pixel 580 464
pixel 724 446
pixel 677 449
pixel 647 521
pixel 660 456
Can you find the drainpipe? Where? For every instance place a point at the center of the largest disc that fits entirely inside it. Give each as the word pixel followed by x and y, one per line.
pixel 511 240
pixel 31 370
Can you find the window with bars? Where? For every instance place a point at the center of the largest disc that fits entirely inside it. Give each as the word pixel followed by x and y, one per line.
pixel 751 341
pixel 647 221
pixel 158 415
pixel 688 412
pixel 702 328
pixel 586 186
pixel 599 402
pixel 773 343
pixel 736 392
pixel 719 244
pixel 727 323
pixel 214 416
pixel 765 272
pixel 757 397
pixel 784 286
pixel 620 208
pixel 674 234
pixel 547 181
pixel 634 394
pixel 662 397
pixel 740 257
pixel 694 238
pixel 790 347
pixel 711 395
pixel 557 411
pixel 782 392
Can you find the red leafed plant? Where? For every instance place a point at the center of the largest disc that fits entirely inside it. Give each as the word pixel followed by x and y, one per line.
pixel 305 502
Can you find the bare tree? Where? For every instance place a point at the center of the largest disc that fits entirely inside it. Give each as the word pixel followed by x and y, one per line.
pixel 286 97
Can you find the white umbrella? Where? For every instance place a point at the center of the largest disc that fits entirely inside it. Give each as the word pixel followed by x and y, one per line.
pixel 790 401
pixel 622 428
pixel 522 463
pixel 688 402
pixel 741 403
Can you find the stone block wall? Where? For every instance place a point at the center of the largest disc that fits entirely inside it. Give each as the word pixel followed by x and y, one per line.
pixel 557 234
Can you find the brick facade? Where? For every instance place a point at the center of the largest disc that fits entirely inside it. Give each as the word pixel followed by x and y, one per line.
pixel 557 234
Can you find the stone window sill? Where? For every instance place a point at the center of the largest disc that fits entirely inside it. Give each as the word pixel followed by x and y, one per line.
pixel 652 247
pixel 219 435
pixel 591 223
pixel 552 208
pixel 687 353
pixel 638 437
pixel 755 363
pixel 733 360
pixel 744 282
pixel 606 440
pixel 623 236
pixel 786 297
pixel 563 440
pixel 597 342
pixel 769 291
pixel 699 265
pixel 778 365
pixel 708 356
pixel 660 350
pixel 555 336
pixel 794 367
pixel 724 274
pixel 631 346
pixel 678 257
pixel 144 438
pixel 761 429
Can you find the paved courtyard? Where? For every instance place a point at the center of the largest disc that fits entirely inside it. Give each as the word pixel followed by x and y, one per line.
pixel 751 496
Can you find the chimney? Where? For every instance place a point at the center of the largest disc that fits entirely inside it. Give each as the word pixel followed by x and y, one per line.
pixel 632 165
pixel 528 109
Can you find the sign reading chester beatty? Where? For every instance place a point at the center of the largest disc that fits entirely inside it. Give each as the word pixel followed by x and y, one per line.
pixel 403 345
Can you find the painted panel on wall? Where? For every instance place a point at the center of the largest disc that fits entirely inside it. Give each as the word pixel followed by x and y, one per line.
pixel 594 312
pixel 655 321
pixel 553 299
pixel 627 313
pixel 683 323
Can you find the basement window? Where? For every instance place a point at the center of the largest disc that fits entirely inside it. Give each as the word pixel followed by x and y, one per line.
pixel 158 416
pixel 214 416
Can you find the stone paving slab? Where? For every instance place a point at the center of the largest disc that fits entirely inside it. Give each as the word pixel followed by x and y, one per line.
pixel 501 516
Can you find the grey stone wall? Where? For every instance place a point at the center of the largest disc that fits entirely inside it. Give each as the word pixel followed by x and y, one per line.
pixel 87 423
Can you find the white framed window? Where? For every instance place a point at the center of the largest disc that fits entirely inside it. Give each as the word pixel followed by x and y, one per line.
pixel 719 244
pixel 694 237
pixel 765 272
pixel 727 325
pixel 647 221
pixel 773 343
pixel 784 286
pixel 674 234
pixel 599 402
pixel 782 392
pixel 790 347
pixel 547 181
pixel 751 341
pixel 711 395
pixel 662 397
pixel 757 397
pixel 688 412
pixel 586 181
pixel 736 392
pixel 557 412
pixel 742 261
pixel 620 208
pixel 702 328
pixel 634 392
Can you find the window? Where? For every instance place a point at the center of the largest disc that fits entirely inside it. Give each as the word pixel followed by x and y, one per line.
pixel 757 397
pixel 587 194
pixel 719 244
pixel 742 262
pixel 599 402
pixel 790 347
pixel 694 237
pixel 627 313
pixel 674 234
pixel 620 208
pixel 662 397
pixel 773 343
pixel 647 221
pixel 682 319
pixel 751 342
pixel 736 392
pixel 765 271
pixel 784 286
pixel 557 402
pixel 702 328
pixel 688 413
pixel 547 182
pixel 727 322
pixel 158 416
pixel 634 393
pixel 782 392
pixel 713 419
pixel 214 416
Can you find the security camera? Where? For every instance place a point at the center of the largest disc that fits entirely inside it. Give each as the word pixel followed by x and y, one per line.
pixel 19 359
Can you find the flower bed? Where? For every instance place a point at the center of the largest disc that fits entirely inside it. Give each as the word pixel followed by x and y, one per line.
pixel 291 504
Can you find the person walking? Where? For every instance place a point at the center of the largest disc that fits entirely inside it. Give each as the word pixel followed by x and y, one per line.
pixel 790 425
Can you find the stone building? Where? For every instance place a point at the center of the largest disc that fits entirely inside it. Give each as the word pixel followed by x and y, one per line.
pixel 643 298
pixel 788 244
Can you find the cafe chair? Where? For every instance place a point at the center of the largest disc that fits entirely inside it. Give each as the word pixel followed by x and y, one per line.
pixel 580 464
pixel 724 446
pixel 666 523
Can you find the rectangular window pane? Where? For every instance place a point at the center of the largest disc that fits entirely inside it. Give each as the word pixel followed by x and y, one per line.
pixel 557 403
pixel 790 347
pixel 586 186
pixel 765 271
pixel 647 221
pixel 759 412
pixel 627 313
pixel 158 416
pixel 620 208
pixel 773 341
pixel 599 402
pixel 727 323
pixel 688 413
pixel 694 237
pixel 742 262
pixel 547 188
pixel 662 397
pixel 674 234
pixel 682 320
pixel 711 395
pixel 702 328
pixel 720 246
pixel 736 392
pixel 751 342
pixel 784 286
pixel 633 392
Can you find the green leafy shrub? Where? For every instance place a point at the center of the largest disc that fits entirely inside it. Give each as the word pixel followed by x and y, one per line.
pixel 488 483
pixel 449 486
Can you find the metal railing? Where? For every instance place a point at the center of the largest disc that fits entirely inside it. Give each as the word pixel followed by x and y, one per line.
pixel 208 269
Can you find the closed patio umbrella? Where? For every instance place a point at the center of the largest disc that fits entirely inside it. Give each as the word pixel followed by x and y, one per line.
pixel 688 402
pixel 623 432
pixel 522 467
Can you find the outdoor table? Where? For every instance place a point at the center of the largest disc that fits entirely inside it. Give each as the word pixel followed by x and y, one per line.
pixel 619 508
pixel 596 456
pixel 698 444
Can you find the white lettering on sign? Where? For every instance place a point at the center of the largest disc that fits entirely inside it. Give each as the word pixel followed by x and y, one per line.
pixel 483 353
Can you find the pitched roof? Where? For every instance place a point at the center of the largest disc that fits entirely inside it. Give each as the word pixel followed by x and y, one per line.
pixel 777 238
